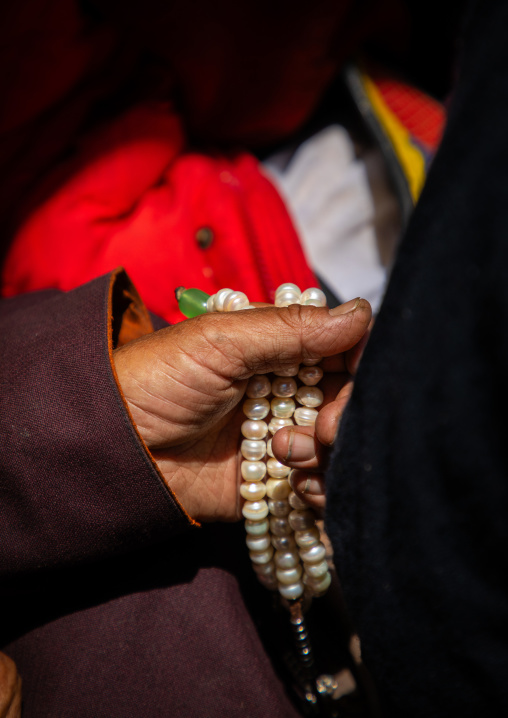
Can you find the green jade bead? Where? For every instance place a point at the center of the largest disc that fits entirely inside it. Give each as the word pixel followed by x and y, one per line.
pixel 191 302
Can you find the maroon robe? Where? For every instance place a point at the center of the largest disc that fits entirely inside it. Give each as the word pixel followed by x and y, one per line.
pixel 113 604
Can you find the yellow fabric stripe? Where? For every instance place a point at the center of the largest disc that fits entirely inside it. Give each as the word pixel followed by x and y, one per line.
pixel 409 156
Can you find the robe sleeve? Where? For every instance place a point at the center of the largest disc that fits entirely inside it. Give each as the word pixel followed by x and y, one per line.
pixel 77 484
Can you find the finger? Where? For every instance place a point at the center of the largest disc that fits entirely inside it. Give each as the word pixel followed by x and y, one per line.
pixel 298 447
pixel 354 355
pixel 258 341
pixel 328 419
pixel 309 488
pixel 348 361
pixel 303 447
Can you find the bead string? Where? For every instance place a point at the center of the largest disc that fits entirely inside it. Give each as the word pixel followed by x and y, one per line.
pixel 283 540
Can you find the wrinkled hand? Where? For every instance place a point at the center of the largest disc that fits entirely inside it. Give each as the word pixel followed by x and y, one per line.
pixel 184 385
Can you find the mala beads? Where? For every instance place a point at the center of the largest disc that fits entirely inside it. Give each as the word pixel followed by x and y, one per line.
pixel 283 540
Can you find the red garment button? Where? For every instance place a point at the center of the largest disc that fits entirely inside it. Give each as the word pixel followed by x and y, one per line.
pixel 204 237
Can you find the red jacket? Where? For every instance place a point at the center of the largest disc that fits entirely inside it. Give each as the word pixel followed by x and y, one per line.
pixel 137 189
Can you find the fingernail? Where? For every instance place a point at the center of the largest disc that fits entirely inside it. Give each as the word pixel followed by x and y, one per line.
pixel 301 447
pixel 308 486
pixel 345 308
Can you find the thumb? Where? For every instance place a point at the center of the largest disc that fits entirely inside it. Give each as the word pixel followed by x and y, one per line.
pixel 185 379
pixel 258 341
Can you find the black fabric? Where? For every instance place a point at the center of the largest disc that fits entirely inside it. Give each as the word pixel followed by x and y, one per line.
pixel 418 486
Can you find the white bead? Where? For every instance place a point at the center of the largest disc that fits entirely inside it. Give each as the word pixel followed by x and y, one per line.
pixel 261 557
pixel 280 526
pixel 295 502
pixel 288 371
pixel 254 430
pixel 288 576
pixel 318 585
pixel 284 299
pixel 257 528
pixel 253 491
pixel 302 520
pixel 288 286
pixel 276 424
pixel 310 396
pixel 264 569
pixel 305 417
pixel 292 591
pixel 219 298
pixel 235 301
pixel 313 296
pixel 284 386
pixel 255 510
pixel 279 507
pixel 250 306
pixel 284 543
pixel 258 543
pixel 269 449
pixel 256 408
pixel 277 470
pixel 253 470
pixel 310 375
pixel 210 307
pixel 259 385
pixel 282 408
pixel 307 538
pixel 253 450
pixel 278 488
pixel 313 554
pixel 286 559
pixel 315 570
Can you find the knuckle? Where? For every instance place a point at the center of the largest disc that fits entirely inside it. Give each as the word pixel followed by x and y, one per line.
pixel 298 321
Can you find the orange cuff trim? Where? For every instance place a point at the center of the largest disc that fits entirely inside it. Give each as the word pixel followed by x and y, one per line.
pixel 133 323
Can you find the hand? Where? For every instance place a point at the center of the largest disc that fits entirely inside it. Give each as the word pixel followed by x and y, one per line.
pixel 10 689
pixel 183 386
